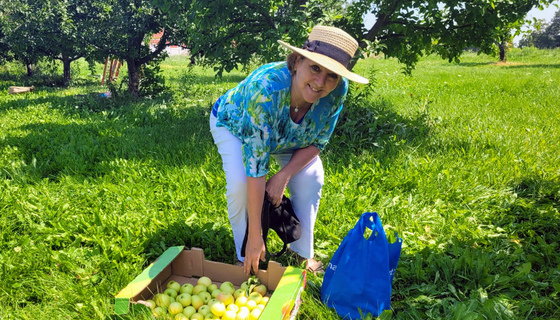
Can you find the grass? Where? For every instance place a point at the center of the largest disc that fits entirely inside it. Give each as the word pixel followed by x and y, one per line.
pixel 461 159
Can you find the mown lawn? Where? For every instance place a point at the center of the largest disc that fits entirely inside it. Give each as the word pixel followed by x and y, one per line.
pixel 463 160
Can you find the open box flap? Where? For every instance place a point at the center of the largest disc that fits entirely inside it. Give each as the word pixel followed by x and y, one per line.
pixel 122 299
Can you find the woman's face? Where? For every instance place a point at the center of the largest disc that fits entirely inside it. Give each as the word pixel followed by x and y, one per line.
pixel 311 82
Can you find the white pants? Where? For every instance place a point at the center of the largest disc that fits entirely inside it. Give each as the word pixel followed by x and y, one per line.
pixel 305 190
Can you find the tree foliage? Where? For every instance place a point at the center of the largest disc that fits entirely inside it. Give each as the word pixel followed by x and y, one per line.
pixel 35 29
pixel 546 36
pixel 230 32
pixel 21 30
pixel 123 29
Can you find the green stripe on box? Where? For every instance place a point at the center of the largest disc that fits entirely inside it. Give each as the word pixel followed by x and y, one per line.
pixel 122 299
pixel 283 298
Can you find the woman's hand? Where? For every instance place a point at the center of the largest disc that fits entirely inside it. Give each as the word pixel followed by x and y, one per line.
pixel 254 251
pixel 275 187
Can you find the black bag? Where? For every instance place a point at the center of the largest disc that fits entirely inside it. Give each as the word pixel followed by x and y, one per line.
pixel 281 219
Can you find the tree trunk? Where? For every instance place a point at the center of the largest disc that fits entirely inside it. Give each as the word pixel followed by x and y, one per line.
pixel 66 73
pixel 29 69
pixel 133 72
pixel 503 51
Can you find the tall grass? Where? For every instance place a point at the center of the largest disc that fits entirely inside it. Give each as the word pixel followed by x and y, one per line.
pixel 461 159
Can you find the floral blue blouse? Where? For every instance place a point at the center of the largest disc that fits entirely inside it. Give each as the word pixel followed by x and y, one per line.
pixel 257 111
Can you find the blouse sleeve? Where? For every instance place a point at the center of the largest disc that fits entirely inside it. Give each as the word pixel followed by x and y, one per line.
pixel 255 129
pixel 336 99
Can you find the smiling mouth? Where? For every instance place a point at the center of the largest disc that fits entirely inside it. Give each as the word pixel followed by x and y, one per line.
pixel 314 90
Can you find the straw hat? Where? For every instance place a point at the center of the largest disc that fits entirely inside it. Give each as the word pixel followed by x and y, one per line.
pixel 332 48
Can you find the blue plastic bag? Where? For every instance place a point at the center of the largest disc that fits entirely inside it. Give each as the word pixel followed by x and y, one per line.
pixel 359 275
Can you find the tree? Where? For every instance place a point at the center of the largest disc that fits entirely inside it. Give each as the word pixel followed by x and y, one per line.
pixel 553 29
pixel 20 28
pixel 47 28
pixel 229 32
pixel 122 30
pixel 64 34
pixel 545 37
pixel 5 53
pixel 233 32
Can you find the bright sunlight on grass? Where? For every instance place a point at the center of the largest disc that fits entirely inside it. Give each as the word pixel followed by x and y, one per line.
pixel 463 160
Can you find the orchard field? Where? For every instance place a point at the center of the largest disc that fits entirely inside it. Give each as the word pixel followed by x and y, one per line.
pixel 462 160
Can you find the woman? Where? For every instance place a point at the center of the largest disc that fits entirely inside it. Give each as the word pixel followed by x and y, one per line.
pixel 285 110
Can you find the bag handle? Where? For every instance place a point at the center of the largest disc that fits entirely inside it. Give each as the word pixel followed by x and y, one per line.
pixel 265 222
pixel 371 221
pixel 265 225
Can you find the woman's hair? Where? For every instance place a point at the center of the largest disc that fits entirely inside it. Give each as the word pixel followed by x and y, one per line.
pixel 292 58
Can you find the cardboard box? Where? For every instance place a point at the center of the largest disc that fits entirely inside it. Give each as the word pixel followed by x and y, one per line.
pixel 184 266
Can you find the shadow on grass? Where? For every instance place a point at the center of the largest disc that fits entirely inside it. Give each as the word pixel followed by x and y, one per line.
pixel 100 131
pixel 534 219
pixel 374 128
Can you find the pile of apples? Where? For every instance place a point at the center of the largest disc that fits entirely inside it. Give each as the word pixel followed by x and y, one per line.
pixel 206 300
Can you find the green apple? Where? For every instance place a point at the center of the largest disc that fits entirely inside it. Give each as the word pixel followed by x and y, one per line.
pixel 186 288
pixel 229 315
pixel 255 296
pixel 180 316
pixel 226 297
pixel 212 301
pixel 151 303
pixel 189 311
pixel 255 314
pixel 227 286
pixel 205 296
pixel 170 292
pixel 204 310
pixel 264 300
pixel 251 304
pixel 243 314
pixel 260 289
pixel 241 301
pixel 218 308
pixel 159 312
pixel 162 300
pixel 239 292
pixel 184 299
pixel 215 293
pixel 233 307
pixel 175 308
pixel 210 316
pixel 196 301
pixel 244 285
pixel 204 281
pixel 197 316
pixel 174 285
pixel 212 287
pixel 199 288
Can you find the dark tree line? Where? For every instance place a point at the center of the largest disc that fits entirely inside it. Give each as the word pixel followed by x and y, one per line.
pixel 546 37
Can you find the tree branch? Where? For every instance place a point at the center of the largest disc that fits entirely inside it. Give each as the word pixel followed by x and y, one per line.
pixel 263 13
pixel 160 47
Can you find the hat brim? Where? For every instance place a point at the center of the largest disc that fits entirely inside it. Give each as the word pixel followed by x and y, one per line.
pixel 327 62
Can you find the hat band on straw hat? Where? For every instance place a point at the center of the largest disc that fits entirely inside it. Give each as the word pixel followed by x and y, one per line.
pixel 328 50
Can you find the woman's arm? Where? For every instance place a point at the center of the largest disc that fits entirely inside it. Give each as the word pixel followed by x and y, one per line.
pixel 276 185
pixel 254 249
